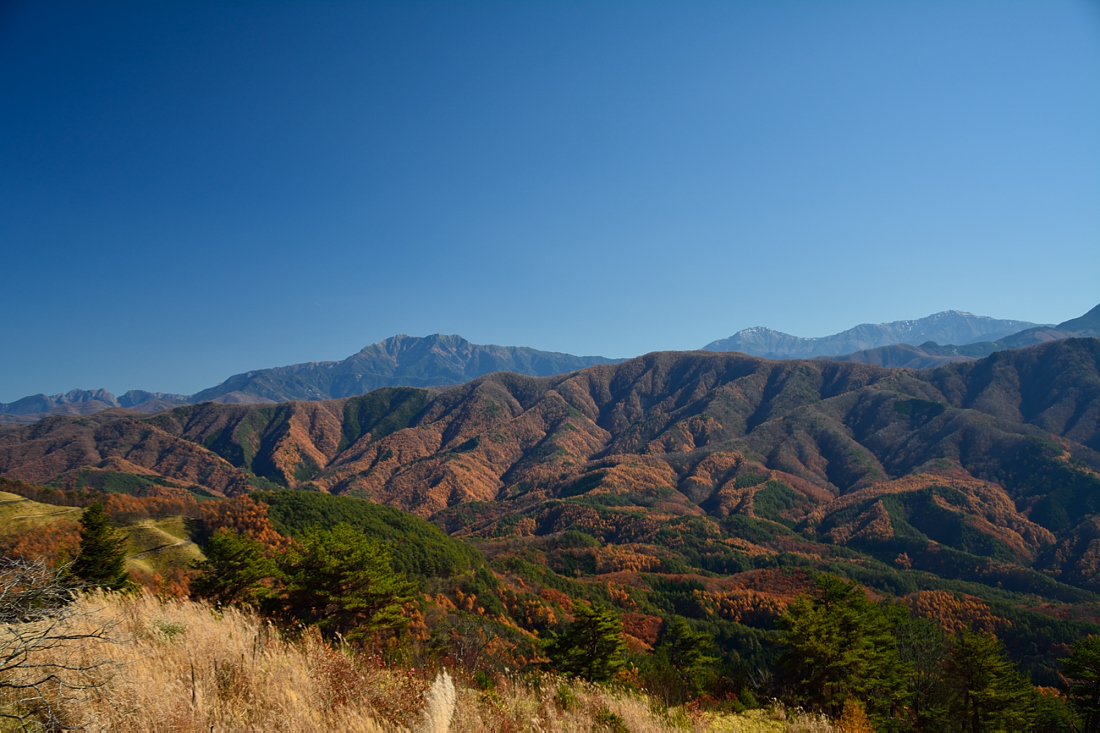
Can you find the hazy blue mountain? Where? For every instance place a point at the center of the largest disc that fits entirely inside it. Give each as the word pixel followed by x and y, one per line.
pixel 405 361
pixel 442 360
pixel 139 399
pixel 931 354
pixel 84 402
pixel 953 327
pixel 44 403
pixel 903 355
pixel 1088 322
pixel 401 361
pixel 1086 326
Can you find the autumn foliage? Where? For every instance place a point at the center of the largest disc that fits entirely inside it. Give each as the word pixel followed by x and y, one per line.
pixel 953 612
pixel 244 516
pixel 56 542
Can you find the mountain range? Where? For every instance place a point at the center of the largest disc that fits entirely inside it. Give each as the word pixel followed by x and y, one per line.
pixel 931 354
pixel 851 453
pixel 442 360
pixel 718 481
pixel 431 361
pixel 951 327
pixel 86 402
pixel 406 361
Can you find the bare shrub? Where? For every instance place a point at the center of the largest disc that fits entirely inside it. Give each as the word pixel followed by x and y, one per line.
pixel 48 645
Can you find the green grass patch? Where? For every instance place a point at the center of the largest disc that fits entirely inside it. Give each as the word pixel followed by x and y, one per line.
pixel 17 512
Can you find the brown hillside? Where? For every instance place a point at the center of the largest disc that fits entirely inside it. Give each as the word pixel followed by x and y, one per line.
pixel 674 433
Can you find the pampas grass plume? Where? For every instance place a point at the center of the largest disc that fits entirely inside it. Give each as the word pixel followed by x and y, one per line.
pixel 441 701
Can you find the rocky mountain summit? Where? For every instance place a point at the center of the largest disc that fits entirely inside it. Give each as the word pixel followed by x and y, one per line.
pixel 84 402
pixel 431 361
pixel 406 361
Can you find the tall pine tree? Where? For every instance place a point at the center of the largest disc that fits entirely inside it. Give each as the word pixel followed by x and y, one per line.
pixel 988 693
pixel 1082 673
pixel 838 645
pixel 236 570
pixel 344 583
pixel 683 661
pixel 592 647
pixel 102 559
pixel 922 646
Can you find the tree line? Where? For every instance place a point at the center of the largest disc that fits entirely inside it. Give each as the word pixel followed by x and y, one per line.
pixel 837 651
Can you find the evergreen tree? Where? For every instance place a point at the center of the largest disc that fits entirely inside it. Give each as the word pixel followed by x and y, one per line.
pixel 682 663
pixel 343 583
pixel 921 646
pixel 592 647
pixel 1082 673
pixel 236 571
pixel 838 645
pixel 102 558
pixel 1054 713
pixel 988 693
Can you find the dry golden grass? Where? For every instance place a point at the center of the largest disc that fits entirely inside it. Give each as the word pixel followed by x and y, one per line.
pixel 159 545
pixel 181 666
pixel 17 512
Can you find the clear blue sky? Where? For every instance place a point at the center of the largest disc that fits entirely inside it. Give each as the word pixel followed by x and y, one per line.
pixel 192 190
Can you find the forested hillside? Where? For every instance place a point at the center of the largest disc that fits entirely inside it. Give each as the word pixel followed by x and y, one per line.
pixel 716 488
pixel 663 421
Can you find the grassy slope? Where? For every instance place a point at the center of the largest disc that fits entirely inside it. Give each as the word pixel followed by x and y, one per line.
pixel 17 513
pixel 160 545
pixel 154 545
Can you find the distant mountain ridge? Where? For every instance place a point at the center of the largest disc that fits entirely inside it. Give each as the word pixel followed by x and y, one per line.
pixel 400 361
pixel 446 360
pixel 955 327
pixel 931 354
pixel 88 401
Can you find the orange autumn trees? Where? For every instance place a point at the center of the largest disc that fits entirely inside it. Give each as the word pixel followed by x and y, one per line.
pixel 242 515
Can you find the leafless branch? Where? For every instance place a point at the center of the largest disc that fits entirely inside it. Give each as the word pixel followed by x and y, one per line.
pixel 41 624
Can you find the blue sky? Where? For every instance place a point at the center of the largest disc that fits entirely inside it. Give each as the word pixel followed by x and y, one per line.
pixel 192 190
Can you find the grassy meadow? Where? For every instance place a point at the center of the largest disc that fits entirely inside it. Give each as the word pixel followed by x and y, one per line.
pixel 179 665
